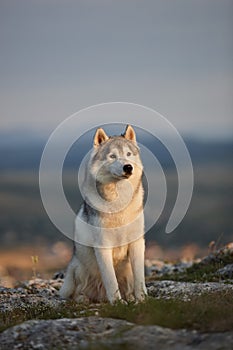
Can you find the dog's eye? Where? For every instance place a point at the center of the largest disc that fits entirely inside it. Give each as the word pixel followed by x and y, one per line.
pixel 113 156
pixel 129 154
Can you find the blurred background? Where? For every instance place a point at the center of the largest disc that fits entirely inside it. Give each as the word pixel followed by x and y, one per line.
pixel 60 56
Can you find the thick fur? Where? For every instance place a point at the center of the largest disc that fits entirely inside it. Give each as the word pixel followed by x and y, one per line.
pixel 113 268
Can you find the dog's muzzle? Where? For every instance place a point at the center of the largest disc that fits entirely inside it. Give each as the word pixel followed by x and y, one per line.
pixel 128 169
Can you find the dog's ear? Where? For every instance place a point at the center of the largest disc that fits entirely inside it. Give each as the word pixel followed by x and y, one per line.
pixel 100 137
pixel 130 133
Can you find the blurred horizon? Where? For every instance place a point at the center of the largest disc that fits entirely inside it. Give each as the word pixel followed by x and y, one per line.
pixel 23 218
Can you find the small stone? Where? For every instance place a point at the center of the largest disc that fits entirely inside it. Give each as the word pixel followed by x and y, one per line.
pixel 226 271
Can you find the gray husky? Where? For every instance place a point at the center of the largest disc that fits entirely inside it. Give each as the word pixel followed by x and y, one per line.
pixel 108 259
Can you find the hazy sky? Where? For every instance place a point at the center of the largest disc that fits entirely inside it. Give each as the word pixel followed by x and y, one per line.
pixel 176 56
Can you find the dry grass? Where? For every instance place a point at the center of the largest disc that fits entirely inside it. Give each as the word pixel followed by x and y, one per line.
pixel 17 264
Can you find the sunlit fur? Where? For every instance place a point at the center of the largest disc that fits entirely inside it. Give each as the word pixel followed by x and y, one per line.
pixel 108 274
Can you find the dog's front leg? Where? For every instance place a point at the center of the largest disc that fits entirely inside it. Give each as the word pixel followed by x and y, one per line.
pixel 136 253
pixel 105 263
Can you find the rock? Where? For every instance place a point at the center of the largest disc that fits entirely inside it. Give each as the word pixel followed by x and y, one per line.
pixel 184 290
pixel 98 333
pixel 223 255
pixel 155 337
pixel 226 271
pixel 61 333
pixel 158 268
pixel 31 293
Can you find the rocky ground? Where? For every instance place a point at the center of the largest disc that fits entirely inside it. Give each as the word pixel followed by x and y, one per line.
pixel 33 316
pixel 106 333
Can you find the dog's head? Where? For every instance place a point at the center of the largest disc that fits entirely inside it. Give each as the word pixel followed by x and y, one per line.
pixel 115 158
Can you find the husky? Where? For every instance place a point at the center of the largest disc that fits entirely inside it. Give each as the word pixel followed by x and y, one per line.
pixel 108 261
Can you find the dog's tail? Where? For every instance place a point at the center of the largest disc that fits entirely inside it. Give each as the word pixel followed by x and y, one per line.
pixel 68 288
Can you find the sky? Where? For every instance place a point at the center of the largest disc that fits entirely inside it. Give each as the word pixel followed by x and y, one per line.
pixel 175 56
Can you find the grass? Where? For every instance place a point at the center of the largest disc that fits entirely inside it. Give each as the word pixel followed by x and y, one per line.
pixel 39 311
pixel 194 273
pixel 200 272
pixel 212 312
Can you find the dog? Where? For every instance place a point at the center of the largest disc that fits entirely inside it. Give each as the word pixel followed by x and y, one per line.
pixel 108 259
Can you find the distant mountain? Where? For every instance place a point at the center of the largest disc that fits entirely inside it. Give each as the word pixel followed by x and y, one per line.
pixel 22 150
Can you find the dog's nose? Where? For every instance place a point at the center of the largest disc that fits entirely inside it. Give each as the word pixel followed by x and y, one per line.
pixel 128 168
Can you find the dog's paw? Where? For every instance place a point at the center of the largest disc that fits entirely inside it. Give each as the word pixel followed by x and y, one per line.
pixel 113 298
pixel 140 292
pixel 130 298
pixel 140 297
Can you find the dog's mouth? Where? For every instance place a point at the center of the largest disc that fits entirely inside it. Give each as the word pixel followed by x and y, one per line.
pixel 121 177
